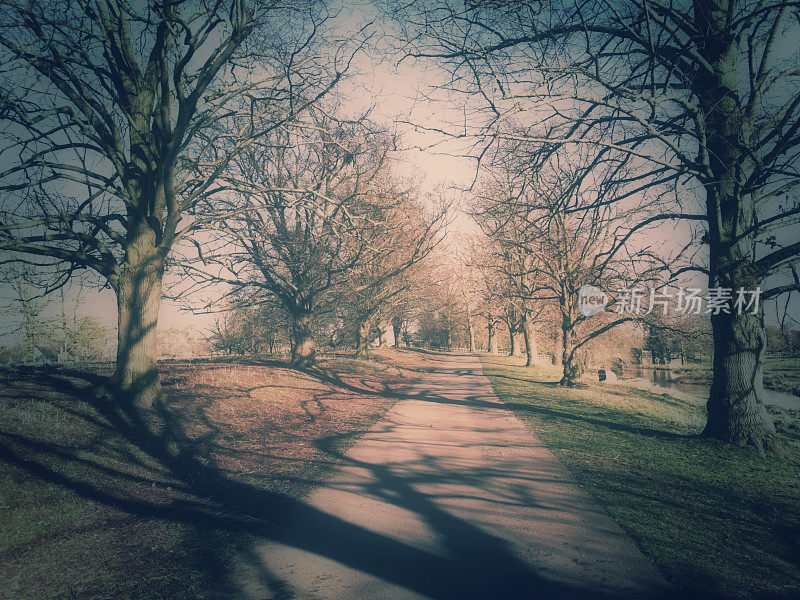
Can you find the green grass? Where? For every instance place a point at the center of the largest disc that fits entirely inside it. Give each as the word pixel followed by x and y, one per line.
pixel 717 520
pixel 58 540
pixel 93 510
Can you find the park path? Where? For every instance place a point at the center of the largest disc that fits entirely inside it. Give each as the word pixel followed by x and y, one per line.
pixel 450 497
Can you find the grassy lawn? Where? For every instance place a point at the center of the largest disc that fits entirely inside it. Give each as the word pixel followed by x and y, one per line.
pixel 719 521
pixel 97 503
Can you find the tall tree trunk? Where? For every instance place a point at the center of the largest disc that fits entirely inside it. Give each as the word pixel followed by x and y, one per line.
pixel 530 342
pixel 736 411
pixel 362 338
pixel 397 328
pixel 492 330
pixel 471 333
pixel 383 334
pixel 514 339
pixel 557 348
pixel 303 345
pixel 572 368
pixel 138 291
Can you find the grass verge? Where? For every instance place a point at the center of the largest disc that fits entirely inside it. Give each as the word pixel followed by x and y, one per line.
pixel 719 521
pixel 97 503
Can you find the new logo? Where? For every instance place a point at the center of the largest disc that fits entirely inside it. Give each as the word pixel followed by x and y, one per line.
pixel 591 300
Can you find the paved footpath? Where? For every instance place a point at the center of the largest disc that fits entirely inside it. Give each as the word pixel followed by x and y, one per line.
pixel 451 497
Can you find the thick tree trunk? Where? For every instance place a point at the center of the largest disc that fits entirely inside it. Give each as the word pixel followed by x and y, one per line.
pixel 572 368
pixel 397 328
pixel 138 292
pixel 471 334
pixel 303 345
pixel 557 348
pixel 736 412
pixel 383 334
pixel 530 343
pixel 362 339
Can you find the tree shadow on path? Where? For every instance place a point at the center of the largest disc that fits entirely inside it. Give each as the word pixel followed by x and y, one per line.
pixel 212 499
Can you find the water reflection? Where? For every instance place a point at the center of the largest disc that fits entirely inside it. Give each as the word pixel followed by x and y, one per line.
pixel 667 378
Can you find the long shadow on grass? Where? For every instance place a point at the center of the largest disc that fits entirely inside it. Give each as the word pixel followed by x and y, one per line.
pixel 216 505
pixel 328 376
pixel 524 407
pixel 614 425
pixel 549 384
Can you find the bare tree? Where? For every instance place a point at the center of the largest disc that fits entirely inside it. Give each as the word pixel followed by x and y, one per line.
pixel 491 291
pixel 109 107
pixel 310 217
pixel 403 308
pixel 371 299
pixel 250 326
pixel 469 287
pixel 296 221
pixel 513 263
pixel 378 287
pixel 27 309
pixel 557 229
pixel 440 317
pixel 406 304
pixel 703 93
pixel 86 339
pixel 488 311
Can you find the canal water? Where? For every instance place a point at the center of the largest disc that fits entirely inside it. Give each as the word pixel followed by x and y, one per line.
pixel 664 378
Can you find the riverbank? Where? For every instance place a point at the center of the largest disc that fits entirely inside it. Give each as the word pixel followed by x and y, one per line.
pixel 784 408
pixel 780 374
